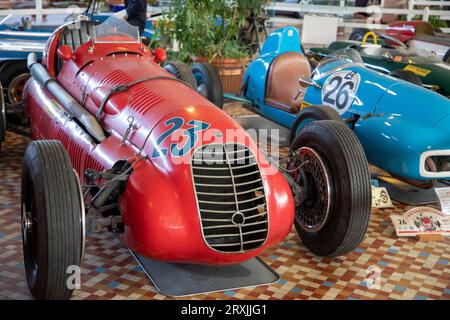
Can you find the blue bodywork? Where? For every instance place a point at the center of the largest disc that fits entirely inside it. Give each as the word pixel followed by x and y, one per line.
pixel 398 124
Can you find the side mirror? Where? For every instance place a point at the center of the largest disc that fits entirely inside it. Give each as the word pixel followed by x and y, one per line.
pixel 65 52
pixel 308 82
pixel 160 55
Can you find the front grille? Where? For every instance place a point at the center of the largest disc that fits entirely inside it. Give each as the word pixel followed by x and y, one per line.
pixel 230 197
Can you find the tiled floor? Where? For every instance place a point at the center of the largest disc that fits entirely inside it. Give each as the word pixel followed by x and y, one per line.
pixel 383 267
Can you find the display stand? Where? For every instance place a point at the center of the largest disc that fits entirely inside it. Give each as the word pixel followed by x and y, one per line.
pixel 178 280
pixel 430 237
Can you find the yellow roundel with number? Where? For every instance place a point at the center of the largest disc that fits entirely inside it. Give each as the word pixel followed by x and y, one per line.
pixel 339 90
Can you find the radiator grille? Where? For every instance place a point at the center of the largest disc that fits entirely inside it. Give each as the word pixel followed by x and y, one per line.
pixel 230 197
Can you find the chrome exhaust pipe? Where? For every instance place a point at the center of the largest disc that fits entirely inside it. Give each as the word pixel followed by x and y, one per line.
pixel 41 75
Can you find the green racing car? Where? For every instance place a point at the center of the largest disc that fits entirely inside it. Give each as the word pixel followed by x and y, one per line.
pixel 414 65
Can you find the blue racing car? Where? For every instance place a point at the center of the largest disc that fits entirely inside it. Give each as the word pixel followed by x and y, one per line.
pixel 403 128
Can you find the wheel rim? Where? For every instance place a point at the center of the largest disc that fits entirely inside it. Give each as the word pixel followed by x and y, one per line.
pixel 15 88
pixel 312 214
pixel 29 224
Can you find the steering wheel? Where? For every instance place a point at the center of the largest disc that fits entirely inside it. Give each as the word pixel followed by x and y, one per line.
pixel 366 36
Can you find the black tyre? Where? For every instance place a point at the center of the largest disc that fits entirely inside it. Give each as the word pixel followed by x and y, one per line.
pixel 2 119
pixel 181 71
pixel 407 76
pixel 208 82
pixel 310 114
pixel 358 34
pixel 52 219
pixel 446 56
pixel 333 216
pixel 13 76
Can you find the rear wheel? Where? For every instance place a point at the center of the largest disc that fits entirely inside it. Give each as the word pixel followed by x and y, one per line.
pixel 407 76
pixel 332 214
pixel 358 34
pixel 208 82
pixel 13 76
pixel 310 114
pixel 182 72
pixel 52 220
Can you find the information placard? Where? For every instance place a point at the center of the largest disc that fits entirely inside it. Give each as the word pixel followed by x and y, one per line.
pixel 444 198
pixel 421 220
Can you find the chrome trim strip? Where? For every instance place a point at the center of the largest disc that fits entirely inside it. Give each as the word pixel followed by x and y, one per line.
pixel 256 215
pixel 83 217
pixel 25 34
pixel 238 202
pixel 230 194
pixel 220 226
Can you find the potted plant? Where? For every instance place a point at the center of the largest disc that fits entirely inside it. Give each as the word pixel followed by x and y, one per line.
pixel 210 30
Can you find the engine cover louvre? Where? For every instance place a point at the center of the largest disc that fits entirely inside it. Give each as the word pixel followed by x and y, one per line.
pixel 230 197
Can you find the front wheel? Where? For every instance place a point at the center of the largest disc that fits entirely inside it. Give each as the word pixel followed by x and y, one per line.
pixel 208 82
pixel 52 220
pixel 333 211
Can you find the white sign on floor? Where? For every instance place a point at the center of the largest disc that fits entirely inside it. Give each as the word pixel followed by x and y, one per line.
pixel 421 220
pixel 444 198
pixel 381 198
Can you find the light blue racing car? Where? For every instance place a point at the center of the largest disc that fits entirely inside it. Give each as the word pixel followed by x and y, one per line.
pixel 403 128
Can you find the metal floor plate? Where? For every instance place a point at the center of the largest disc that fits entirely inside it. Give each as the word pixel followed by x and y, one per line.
pixel 178 280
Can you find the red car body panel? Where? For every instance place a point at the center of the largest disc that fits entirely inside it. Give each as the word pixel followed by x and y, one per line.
pixel 159 205
pixel 407 30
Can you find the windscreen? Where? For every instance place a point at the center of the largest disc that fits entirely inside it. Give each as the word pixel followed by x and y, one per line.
pixel 337 59
pixel 116 30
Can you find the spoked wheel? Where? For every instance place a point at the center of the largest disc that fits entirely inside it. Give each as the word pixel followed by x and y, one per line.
pixel 181 71
pixel 334 202
pixel 2 118
pixel 13 76
pixel 15 88
pixel 52 220
pixel 208 82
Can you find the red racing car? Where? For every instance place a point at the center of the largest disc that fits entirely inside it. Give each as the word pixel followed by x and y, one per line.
pixel 122 144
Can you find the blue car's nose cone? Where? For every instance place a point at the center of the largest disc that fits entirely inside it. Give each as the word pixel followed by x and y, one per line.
pixel 416 104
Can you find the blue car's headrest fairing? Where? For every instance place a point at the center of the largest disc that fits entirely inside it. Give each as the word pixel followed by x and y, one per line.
pixel 282 40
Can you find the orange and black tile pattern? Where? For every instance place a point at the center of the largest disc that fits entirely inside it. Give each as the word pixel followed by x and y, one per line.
pixel 383 267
